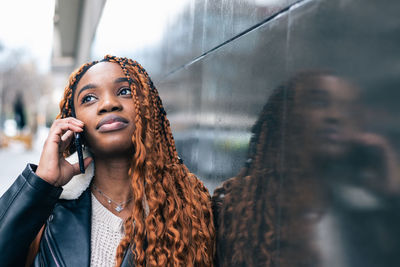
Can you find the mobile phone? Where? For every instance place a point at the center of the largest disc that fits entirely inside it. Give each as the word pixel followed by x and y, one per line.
pixel 78 146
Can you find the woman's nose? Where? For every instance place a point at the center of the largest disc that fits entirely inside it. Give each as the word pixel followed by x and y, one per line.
pixel 109 103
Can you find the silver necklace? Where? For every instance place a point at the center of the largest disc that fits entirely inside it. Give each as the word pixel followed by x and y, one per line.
pixel 119 206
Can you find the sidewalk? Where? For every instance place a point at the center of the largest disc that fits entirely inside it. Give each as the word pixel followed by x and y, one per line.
pixel 13 159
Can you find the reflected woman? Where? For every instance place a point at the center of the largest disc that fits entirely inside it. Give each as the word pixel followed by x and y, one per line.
pixel 307 155
pixel 136 205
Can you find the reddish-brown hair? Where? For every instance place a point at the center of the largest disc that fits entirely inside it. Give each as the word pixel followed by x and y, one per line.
pixel 178 229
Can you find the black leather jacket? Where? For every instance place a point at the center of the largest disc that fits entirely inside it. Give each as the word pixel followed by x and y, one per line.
pixel 31 202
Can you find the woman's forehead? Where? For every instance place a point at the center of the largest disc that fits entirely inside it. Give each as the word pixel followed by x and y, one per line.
pixel 98 74
pixel 102 70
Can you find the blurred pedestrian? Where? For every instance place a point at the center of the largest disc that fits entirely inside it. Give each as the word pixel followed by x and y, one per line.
pixel 19 111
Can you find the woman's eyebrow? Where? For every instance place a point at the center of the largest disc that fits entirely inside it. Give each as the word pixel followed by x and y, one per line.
pixel 86 87
pixel 121 80
pixel 91 85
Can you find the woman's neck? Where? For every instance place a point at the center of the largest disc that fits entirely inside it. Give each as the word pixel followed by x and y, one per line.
pixel 112 181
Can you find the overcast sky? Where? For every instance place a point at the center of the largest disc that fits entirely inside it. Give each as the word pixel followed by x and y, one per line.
pixel 28 25
pixel 148 17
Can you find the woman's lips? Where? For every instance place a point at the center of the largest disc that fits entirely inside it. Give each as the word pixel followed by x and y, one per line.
pixel 114 126
pixel 331 135
pixel 111 123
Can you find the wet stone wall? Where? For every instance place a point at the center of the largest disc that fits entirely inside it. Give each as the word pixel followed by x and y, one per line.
pixel 288 111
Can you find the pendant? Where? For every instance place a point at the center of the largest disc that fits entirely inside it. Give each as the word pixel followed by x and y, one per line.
pixel 119 208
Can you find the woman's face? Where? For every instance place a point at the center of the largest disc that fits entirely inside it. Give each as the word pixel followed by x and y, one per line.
pixel 327 104
pixel 103 101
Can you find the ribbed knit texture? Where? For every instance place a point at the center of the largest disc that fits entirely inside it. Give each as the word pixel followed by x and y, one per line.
pixel 107 232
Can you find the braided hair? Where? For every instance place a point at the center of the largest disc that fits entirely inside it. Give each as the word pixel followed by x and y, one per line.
pixel 178 229
pixel 261 215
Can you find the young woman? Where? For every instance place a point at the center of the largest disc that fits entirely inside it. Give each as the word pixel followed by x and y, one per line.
pixel 136 204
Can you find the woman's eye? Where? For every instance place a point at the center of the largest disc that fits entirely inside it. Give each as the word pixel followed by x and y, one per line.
pixel 87 98
pixel 319 103
pixel 125 91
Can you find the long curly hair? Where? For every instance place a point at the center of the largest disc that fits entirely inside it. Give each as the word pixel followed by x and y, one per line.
pixel 265 215
pixel 178 229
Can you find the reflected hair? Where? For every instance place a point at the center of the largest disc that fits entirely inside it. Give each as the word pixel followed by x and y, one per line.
pixel 177 229
pixel 261 214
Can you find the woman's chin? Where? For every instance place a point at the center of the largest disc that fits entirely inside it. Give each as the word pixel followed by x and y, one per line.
pixel 112 149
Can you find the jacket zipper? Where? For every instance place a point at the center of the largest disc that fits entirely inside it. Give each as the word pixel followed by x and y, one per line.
pixel 51 251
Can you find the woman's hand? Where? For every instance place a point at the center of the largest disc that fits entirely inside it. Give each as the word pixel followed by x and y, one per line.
pixel 53 168
pixel 389 180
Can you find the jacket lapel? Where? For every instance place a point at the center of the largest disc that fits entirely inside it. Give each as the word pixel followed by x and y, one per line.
pixel 70 230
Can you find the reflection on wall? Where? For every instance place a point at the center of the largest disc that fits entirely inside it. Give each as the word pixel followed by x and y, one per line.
pixel 315 189
pixel 298 102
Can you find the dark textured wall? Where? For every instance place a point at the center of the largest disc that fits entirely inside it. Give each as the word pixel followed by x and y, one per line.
pixel 319 183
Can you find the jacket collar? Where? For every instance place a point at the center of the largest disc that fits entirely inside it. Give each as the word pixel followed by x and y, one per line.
pixel 79 183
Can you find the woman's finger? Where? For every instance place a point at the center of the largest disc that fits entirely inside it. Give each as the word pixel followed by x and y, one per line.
pixel 66 123
pixel 60 128
pixel 67 136
pixel 68 120
pixel 66 140
pixel 75 167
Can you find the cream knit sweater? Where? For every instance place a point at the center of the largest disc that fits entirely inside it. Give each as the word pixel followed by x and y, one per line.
pixel 107 232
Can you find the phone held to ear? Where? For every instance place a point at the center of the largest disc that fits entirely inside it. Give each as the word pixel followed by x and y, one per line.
pixel 78 146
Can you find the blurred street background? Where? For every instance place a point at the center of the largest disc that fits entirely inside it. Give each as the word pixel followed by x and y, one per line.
pixel 297 100
pixel 214 62
pixel 42 43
